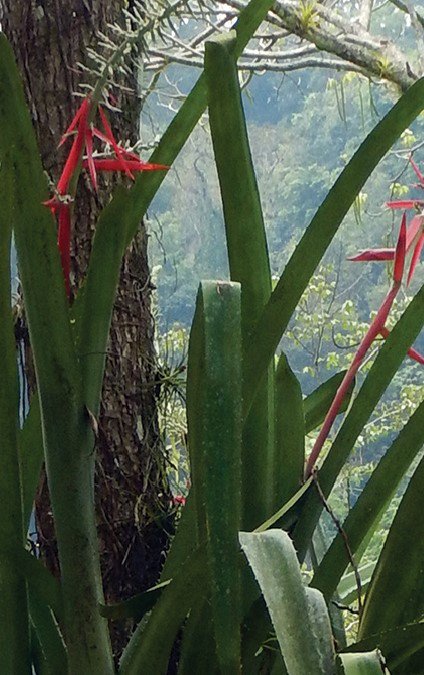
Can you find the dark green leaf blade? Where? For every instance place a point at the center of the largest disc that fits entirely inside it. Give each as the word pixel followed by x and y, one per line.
pixel 214 415
pixel 48 635
pixel 248 258
pixel 289 432
pixel 142 654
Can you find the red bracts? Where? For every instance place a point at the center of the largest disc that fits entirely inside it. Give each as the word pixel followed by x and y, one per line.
pixel 122 160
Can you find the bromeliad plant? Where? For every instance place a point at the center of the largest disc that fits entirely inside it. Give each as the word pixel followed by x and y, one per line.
pixel 247 421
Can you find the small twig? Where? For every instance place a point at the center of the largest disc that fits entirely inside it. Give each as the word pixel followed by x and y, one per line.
pixel 345 608
pixel 343 535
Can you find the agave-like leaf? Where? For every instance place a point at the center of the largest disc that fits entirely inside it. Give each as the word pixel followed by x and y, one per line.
pixel 214 416
pixel 248 260
pixel 274 563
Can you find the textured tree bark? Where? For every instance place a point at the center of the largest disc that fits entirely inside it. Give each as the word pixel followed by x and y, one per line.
pixel 49 38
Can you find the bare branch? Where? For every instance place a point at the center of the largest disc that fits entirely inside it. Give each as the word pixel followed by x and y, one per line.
pixel 387 62
pixel 365 11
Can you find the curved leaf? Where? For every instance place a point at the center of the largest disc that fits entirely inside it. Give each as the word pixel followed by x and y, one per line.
pixel 247 255
pixel 135 607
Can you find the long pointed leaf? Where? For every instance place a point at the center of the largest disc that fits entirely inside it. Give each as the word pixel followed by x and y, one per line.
pixel 150 646
pixel 49 637
pixel 248 258
pixel 289 432
pixel 214 415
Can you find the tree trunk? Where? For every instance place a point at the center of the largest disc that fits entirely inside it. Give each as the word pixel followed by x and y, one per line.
pixel 49 38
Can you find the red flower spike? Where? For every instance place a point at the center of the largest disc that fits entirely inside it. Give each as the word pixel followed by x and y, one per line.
pixel 373 254
pixel 112 141
pixel 75 153
pixel 413 237
pixel 373 331
pixel 124 161
pixel 64 243
pixel 74 122
pixel 406 204
pixel 417 171
pixel 412 353
pixel 400 253
pixel 116 165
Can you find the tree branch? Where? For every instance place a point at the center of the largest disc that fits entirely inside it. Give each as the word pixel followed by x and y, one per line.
pixel 365 11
